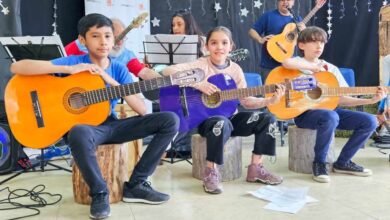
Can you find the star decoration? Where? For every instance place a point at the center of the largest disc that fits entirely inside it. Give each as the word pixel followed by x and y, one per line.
pixel 4 10
pixel 155 22
pixel 258 4
pixel 217 7
pixel 384 2
pixel 244 12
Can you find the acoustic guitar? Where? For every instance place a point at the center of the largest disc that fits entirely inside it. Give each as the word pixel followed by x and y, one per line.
pixel 282 46
pixel 325 96
pixel 193 107
pixel 42 108
pixel 134 24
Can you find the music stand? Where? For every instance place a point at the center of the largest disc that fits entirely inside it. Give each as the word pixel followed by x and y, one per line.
pixel 38 48
pixel 169 49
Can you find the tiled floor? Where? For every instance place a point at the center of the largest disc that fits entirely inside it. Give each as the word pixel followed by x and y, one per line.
pixel 346 197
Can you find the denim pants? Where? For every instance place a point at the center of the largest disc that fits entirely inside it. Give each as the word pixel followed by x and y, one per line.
pixel 218 129
pixel 327 121
pixel 83 140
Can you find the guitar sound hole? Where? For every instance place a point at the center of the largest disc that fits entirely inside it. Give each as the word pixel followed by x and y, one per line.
pixel 291 36
pixel 314 93
pixel 76 101
pixel 212 101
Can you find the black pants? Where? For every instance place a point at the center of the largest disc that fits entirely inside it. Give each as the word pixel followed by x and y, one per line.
pixel 83 140
pixel 218 129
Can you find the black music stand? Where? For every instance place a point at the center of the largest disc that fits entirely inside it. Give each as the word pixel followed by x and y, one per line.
pixel 169 49
pixel 37 47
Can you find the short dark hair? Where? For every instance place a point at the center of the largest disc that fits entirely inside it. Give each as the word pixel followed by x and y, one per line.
pixel 191 27
pixel 91 20
pixel 312 34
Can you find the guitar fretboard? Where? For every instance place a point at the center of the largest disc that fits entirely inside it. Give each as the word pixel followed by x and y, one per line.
pixel 246 92
pixel 310 15
pixel 114 92
pixel 341 91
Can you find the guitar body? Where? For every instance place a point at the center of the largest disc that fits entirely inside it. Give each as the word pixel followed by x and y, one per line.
pixel 301 101
pixel 282 46
pixel 198 108
pixel 58 115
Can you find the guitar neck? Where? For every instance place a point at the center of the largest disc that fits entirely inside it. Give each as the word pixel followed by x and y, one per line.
pixel 123 34
pixel 310 15
pixel 115 92
pixel 246 92
pixel 342 91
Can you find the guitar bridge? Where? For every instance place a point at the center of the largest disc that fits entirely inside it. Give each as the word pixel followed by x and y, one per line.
pixel 281 47
pixel 37 109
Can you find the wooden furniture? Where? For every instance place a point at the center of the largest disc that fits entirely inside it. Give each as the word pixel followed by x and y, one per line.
pixel 301 149
pixel 384 41
pixel 116 162
pixel 232 156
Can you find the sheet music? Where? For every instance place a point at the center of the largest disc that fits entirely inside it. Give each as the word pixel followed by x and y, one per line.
pixel 183 48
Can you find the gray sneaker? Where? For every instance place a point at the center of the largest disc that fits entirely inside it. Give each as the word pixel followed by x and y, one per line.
pixel 351 168
pixel 143 192
pixel 100 206
pixel 258 173
pixel 211 181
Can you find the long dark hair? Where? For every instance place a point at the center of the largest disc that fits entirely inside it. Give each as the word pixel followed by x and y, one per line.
pixel 191 27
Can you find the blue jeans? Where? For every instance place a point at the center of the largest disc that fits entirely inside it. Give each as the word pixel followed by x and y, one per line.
pixel 83 140
pixel 327 121
pixel 218 129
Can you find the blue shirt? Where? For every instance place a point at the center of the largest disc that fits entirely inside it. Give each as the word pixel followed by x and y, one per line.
pixel 271 22
pixel 116 70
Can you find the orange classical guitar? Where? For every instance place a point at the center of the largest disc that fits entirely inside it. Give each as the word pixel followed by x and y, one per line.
pixel 282 46
pixel 42 108
pixel 325 96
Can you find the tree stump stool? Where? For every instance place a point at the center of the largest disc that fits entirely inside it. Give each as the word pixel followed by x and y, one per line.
pixel 301 149
pixel 232 157
pixel 116 162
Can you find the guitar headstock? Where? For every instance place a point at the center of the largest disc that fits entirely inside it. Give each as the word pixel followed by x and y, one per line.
pixel 304 83
pixel 320 3
pixel 239 54
pixel 187 77
pixel 138 21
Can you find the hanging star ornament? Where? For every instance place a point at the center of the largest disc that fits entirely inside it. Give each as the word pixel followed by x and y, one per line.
pixel 4 10
pixel 244 12
pixel 155 22
pixel 258 4
pixel 384 2
pixel 217 7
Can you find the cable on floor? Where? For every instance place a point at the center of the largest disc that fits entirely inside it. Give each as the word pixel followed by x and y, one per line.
pixel 18 198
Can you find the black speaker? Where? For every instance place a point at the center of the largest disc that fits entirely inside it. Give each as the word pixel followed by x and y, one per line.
pixel 9 150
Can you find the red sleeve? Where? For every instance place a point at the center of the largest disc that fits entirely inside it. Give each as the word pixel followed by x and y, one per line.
pixel 73 49
pixel 135 66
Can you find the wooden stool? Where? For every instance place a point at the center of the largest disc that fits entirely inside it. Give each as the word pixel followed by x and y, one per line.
pixel 116 162
pixel 301 149
pixel 232 157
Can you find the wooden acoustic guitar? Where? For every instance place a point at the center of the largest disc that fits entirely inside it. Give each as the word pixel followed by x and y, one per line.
pixel 42 108
pixel 193 107
pixel 282 46
pixel 325 96
pixel 138 21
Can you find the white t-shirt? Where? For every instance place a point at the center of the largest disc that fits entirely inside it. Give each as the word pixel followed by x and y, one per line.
pixel 330 68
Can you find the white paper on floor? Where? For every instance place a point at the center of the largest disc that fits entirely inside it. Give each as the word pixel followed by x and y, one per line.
pixel 284 199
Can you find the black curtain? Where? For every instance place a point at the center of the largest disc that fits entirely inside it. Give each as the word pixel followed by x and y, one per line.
pixel 10 26
pixel 354 40
pixel 353 44
pixel 37 18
